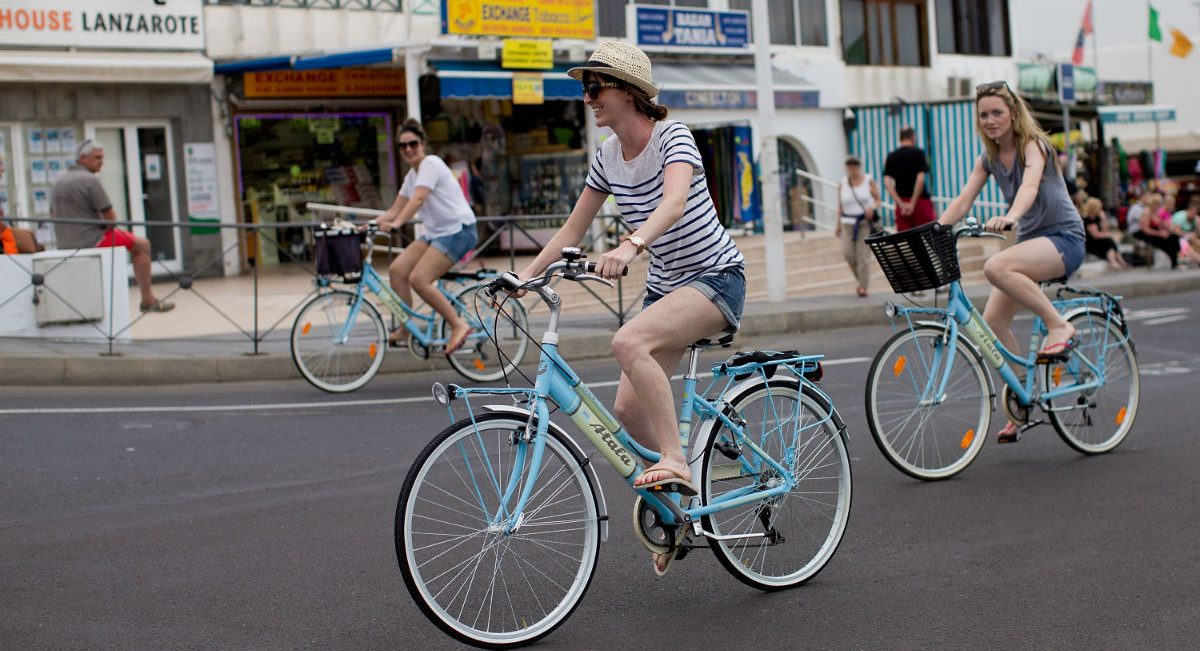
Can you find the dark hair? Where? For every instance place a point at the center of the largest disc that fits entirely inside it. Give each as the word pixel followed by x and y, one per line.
pixel 643 104
pixel 908 133
pixel 412 126
pixel 853 160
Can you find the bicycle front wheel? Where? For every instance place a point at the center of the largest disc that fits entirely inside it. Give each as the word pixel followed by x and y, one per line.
pixel 782 541
pixel 495 348
pixel 336 348
pixel 924 435
pixel 475 577
pixel 1096 420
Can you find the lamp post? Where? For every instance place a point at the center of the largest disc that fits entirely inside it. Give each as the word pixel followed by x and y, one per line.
pixel 768 156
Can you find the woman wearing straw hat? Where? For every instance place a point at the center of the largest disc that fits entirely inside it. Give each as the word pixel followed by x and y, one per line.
pixel 695 287
pixel 1050 242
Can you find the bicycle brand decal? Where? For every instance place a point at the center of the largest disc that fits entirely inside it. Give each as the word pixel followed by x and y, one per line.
pixel 979 333
pixel 604 441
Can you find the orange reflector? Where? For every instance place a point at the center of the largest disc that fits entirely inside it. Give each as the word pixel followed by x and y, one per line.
pixel 1058 370
pixel 898 367
pixel 1121 415
pixel 306 328
pixel 373 350
pixel 479 364
pixel 966 439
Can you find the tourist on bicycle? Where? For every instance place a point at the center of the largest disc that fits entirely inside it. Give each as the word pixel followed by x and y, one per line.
pixel 695 286
pixel 1050 238
pixel 449 231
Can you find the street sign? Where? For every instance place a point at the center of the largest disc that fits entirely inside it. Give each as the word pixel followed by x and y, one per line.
pixel 1066 83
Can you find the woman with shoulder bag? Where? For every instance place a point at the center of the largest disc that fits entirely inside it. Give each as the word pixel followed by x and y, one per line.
pixel 858 201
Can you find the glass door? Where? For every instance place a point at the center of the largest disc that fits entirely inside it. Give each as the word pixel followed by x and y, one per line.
pixel 139 176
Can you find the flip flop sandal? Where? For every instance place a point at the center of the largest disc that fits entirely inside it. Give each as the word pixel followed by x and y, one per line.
pixel 1010 434
pixel 1056 352
pixel 673 484
pixel 157 306
pixel 453 346
pixel 670 556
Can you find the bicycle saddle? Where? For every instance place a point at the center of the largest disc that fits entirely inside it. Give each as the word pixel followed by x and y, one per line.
pixel 482 274
pixel 1061 280
pixel 723 342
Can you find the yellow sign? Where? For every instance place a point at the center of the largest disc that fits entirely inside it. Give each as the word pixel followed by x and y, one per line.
pixel 338 82
pixel 527 88
pixel 527 54
pixel 530 18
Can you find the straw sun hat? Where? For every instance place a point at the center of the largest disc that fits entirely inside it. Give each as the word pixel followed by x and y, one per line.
pixel 622 61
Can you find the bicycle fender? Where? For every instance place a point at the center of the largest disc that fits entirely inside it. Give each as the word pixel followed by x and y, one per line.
pixel 1119 320
pixel 963 339
pixel 588 468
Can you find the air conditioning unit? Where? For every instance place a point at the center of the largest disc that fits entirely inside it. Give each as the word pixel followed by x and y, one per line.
pixel 958 87
pixel 71 291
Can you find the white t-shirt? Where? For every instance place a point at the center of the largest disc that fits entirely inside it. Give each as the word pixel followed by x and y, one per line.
pixel 695 245
pixel 446 210
pixel 853 196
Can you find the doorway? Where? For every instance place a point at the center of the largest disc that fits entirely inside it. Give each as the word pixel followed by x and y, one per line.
pixel 139 176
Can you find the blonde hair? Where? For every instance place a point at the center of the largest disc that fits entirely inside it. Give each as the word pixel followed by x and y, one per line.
pixel 1092 207
pixel 1025 128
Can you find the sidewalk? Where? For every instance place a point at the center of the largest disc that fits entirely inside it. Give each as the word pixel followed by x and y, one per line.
pixel 203 358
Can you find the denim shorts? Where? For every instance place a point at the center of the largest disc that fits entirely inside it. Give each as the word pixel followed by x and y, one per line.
pixel 456 245
pixel 1070 248
pixel 725 288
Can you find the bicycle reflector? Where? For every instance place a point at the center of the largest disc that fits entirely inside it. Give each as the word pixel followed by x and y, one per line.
pixel 440 394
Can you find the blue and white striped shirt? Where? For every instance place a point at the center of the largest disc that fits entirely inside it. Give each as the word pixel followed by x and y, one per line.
pixel 695 245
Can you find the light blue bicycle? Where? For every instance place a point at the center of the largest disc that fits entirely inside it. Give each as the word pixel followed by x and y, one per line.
pixel 929 397
pixel 500 519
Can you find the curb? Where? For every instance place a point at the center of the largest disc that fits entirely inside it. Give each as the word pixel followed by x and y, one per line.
pixel 797 316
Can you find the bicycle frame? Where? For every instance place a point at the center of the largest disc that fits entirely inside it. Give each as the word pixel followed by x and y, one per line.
pixel 960 314
pixel 420 325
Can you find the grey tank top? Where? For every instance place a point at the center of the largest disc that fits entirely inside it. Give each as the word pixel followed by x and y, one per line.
pixel 1052 211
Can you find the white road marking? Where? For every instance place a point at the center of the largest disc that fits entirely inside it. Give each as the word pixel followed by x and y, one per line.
pixel 1165 319
pixel 290 405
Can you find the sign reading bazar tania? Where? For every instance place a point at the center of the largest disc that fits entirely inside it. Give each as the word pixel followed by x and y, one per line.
pixel 123 24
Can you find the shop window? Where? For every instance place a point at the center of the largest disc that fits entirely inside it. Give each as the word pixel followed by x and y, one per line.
pixel 610 16
pixel 977 27
pixel 884 32
pixel 793 22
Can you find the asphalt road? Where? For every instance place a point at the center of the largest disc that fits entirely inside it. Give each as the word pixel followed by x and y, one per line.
pixel 259 516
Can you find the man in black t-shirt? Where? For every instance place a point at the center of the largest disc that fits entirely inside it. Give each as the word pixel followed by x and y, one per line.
pixel 904 176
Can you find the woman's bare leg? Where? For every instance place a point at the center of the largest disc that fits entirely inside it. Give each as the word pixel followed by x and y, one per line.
pixel 1016 272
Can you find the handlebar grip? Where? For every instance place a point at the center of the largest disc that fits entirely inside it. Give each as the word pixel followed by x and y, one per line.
pixel 590 267
pixel 507 280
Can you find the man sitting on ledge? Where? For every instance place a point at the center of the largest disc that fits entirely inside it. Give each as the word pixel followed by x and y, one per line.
pixel 77 194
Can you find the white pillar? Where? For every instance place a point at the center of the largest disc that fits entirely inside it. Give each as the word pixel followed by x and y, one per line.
pixel 231 262
pixel 412 79
pixel 768 156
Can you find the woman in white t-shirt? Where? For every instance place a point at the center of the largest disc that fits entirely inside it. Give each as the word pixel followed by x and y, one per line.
pixel 449 229
pixel 858 201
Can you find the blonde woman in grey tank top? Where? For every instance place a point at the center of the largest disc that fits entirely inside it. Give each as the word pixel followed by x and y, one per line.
pixel 1050 240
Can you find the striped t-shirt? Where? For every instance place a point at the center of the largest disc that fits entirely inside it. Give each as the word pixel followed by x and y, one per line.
pixel 695 245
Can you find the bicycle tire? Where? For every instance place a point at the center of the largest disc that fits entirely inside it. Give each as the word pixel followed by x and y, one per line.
pixel 1116 401
pixel 567 551
pixel 479 360
pixel 809 532
pixel 955 439
pixel 330 365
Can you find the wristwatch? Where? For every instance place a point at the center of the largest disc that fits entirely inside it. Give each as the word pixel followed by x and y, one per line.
pixel 636 241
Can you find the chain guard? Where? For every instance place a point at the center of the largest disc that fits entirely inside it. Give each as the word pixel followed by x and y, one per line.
pixel 651 531
pixel 1014 410
pixel 415 347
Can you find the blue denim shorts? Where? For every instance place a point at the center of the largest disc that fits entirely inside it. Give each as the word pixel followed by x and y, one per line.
pixel 456 245
pixel 1070 248
pixel 725 288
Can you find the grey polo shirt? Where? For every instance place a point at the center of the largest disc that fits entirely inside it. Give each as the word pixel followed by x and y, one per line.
pixel 78 195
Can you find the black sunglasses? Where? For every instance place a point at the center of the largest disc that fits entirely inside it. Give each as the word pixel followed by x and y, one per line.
pixel 992 86
pixel 592 88
pixel 408 144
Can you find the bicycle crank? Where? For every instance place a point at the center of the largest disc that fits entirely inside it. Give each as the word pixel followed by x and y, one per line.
pixel 656 535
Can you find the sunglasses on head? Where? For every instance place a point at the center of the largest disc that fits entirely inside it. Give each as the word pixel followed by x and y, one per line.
pixel 991 86
pixel 592 88
pixel 408 144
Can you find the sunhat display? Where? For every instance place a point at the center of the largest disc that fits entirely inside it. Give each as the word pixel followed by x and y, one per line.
pixel 622 61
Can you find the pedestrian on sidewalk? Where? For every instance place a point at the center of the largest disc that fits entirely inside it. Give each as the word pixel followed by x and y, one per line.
pixel 1099 240
pixel 1050 240
pixel 1151 229
pixel 858 206
pixel 1186 223
pixel 904 176
pixel 696 285
pixel 432 190
pixel 78 195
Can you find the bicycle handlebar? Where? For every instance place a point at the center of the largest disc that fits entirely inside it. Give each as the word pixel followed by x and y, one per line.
pixel 971 227
pixel 574 267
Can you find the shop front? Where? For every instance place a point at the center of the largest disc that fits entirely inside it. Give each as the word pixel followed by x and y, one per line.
pixel 141 94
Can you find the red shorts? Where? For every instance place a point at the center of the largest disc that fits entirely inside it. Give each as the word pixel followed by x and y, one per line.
pixel 922 214
pixel 116 237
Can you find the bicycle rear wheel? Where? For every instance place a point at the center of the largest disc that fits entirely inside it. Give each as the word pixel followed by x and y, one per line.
pixel 1096 420
pixel 327 359
pixel 477 583
pixel 496 349
pixel 927 437
pixel 792 536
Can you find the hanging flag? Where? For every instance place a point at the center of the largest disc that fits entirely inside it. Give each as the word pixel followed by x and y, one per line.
pixel 1155 32
pixel 1182 45
pixel 1084 30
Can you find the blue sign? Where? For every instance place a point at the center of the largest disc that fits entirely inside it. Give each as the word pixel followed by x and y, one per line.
pixel 1066 83
pixel 736 99
pixel 676 27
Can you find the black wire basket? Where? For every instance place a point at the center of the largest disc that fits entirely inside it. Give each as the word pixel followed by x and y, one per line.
pixel 925 257
pixel 338 253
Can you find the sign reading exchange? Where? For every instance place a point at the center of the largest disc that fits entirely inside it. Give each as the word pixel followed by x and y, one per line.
pixel 531 18
pixel 674 27
pixel 123 24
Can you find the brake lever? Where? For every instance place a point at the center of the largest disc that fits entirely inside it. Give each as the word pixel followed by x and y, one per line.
pixel 593 277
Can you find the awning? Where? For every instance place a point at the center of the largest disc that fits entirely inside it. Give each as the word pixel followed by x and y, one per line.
pixel 487 80
pixel 1136 114
pixel 728 86
pixel 322 61
pixel 105 67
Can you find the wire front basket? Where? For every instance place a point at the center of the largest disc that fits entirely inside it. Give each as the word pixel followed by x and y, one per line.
pixel 925 257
